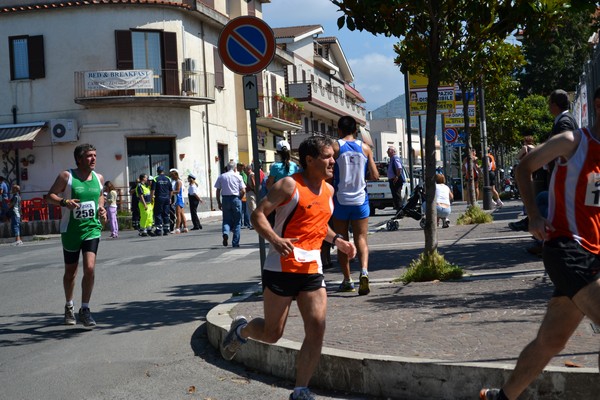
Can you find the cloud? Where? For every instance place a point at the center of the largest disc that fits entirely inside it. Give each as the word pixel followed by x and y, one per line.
pixel 377 78
pixel 370 57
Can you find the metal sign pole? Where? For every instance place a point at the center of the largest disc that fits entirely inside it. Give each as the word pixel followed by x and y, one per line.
pixel 257 180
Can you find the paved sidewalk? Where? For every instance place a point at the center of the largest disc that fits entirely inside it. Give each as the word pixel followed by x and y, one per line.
pixel 486 318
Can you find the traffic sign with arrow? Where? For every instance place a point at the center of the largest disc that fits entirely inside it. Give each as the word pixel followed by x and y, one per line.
pixel 250 92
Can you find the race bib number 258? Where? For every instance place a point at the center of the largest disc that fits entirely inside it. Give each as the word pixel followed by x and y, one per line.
pixel 592 193
pixel 86 210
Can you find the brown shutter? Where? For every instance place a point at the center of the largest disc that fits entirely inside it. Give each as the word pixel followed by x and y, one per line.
pixel 170 65
pixel 124 49
pixel 210 3
pixel 219 73
pixel 273 93
pixel 35 50
pixel 261 92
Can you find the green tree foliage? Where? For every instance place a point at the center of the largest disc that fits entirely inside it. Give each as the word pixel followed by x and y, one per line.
pixel 434 35
pixel 555 57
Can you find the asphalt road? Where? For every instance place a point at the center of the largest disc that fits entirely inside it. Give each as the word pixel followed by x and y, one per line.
pixel 150 301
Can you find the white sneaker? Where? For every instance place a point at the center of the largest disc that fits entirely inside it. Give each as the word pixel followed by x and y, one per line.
pixel 17 243
pixel 499 203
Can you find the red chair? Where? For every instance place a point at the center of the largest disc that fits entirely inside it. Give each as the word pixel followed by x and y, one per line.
pixel 25 207
pixel 39 206
pixel 55 211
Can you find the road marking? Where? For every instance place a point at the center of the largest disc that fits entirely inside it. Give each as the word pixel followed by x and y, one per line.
pixel 184 254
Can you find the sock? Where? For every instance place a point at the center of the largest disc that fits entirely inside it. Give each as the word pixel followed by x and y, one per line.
pixel 85 305
pixel 364 272
pixel 298 390
pixel 238 333
pixel 501 395
pixel 69 303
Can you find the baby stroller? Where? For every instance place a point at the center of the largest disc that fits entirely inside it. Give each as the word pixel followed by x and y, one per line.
pixel 413 209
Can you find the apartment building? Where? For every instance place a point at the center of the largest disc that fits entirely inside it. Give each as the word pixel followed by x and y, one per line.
pixel 319 79
pixel 142 81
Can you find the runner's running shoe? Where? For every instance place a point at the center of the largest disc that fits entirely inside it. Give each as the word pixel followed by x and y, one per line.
pixel 305 394
pixel 232 341
pixel 346 286
pixel 363 284
pixel 85 316
pixel 70 315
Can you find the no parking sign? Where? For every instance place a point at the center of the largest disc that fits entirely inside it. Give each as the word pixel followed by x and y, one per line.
pixel 247 45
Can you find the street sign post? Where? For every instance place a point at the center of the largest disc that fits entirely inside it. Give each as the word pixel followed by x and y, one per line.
pixel 450 135
pixel 250 93
pixel 246 47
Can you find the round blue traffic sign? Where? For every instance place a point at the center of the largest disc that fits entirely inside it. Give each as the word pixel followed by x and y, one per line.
pixel 247 45
pixel 450 135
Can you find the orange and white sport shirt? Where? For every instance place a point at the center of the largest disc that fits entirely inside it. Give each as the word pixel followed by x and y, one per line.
pixel 574 202
pixel 305 217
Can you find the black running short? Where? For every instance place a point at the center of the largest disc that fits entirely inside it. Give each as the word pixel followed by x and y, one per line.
pixel 72 257
pixel 287 284
pixel 569 266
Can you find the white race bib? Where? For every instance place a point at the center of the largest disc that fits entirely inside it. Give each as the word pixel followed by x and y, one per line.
pixel 86 210
pixel 592 191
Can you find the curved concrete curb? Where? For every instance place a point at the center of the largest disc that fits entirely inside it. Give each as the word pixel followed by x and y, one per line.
pixel 396 377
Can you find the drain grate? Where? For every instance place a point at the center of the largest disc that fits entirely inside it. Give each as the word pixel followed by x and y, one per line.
pixel 595 327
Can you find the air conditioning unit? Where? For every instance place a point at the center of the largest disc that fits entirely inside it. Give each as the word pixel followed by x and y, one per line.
pixel 63 130
pixel 189 65
pixel 190 86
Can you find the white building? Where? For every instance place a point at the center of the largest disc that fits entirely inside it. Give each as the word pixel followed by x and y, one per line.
pixel 142 81
pixel 320 78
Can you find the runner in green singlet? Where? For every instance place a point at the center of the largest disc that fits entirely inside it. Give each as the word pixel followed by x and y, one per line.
pixel 79 192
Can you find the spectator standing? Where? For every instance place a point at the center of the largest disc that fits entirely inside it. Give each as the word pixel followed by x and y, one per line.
pixel 353 159
pixel 194 200
pixel 230 190
pixel 145 205
pixel 4 191
pixel 160 192
pixel 471 174
pixel 241 167
pixel 283 168
pixel 492 176
pixel 14 210
pixel 443 200
pixel 135 208
pixel 80 227
pixel 250 193
pixel 180 223
pixel 292 268
pixel 571 251
pixel 395 175
pixel 111 209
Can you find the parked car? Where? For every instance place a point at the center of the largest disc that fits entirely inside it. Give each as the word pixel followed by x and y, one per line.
pixel 380 195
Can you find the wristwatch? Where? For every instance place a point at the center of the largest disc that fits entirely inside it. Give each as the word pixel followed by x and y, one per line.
pixel 336 237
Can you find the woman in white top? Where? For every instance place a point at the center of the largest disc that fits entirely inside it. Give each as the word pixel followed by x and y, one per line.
pixel 194 200
pixel 443 197
pixel 111 201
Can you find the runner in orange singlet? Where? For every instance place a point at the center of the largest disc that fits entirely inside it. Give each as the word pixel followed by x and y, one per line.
pixel 293 266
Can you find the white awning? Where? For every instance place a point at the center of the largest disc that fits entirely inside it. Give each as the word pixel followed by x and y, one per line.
pixel 19 136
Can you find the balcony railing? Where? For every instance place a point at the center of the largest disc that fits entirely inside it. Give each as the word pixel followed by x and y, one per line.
pixel 336 100
pixel 276 113
pixel 329 96
pixel 170 87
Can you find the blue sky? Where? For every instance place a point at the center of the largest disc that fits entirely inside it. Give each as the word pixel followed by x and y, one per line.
pixel 370 57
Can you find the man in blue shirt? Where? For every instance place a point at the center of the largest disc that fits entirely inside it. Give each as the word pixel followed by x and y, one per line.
pixel 395 177
pixel 230 190
pixel 3 199
pixel 161 193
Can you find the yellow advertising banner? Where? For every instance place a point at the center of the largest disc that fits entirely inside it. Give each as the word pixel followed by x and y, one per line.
pixel 456 119
pixel 418 96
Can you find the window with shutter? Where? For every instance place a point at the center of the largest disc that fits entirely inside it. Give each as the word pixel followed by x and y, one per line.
pixel 219 72
pixel 26 57
pixel 155 50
